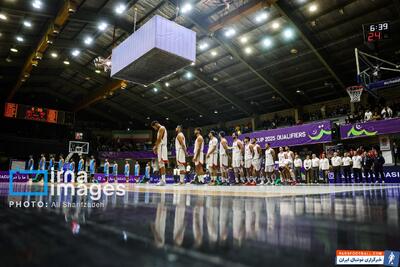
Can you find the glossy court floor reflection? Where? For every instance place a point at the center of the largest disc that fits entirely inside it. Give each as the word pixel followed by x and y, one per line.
pixel 171 227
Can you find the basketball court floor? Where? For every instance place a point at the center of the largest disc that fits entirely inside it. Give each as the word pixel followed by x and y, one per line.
pixel 201 226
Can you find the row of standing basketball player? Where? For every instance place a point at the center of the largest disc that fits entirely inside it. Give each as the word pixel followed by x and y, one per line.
pixel 252 166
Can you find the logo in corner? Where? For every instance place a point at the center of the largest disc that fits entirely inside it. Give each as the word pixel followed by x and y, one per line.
pixel 391 258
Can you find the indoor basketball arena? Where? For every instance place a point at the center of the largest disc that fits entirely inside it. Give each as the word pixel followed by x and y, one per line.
pixel 199 133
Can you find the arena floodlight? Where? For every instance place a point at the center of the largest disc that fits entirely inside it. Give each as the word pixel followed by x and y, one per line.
pixel 230 32
pixel 102 26
pixel 37 4
pixel 186 8
pixel 120 8
pixel 288 33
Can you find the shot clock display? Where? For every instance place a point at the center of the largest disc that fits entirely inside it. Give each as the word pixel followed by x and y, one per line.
pixel 376 31
pixel 33 113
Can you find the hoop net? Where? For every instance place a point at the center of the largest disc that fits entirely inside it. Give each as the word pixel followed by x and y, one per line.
pixel 355 93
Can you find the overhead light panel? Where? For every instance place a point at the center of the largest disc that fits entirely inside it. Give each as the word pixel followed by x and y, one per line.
pixel 98 71
pixel 230 32
pixel 19 38
pixel 312 8
pixel 188 75
pixel 261 17
pixel 155 89
pixel 120 8
pixel 214 53
pixel 75 52
pixel 37 4
pixel 267 42
pixel 203 46
pixel 27 24
pixel 102 26
pixel 66 62
pixel 14 50
pixel 166 84
pixel 54 55
pixel 288 33
pixel 3 16
pixel 275 25
pixel 186 8
pixel 88 40
pixel 248 50
pixel 243 39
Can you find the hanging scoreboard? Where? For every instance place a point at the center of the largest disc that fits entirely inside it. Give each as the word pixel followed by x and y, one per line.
pixel 18 111
pixel 376 31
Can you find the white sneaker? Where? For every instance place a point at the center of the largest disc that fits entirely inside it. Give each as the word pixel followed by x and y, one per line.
pixel 160 183
pixel 262 183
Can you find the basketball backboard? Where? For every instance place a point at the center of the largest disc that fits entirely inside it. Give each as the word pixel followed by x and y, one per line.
pixel 78 147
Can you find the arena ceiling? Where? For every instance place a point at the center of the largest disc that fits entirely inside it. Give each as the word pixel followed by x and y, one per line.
pixel 253 58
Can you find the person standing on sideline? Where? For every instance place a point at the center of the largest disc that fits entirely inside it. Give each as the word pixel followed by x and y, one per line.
pixel 42 163
pixel 269 163
pixel 346 161
pixel 92 167
pixel 307 168
pixel 357 163
pixel 51 163
pixel 60 163
pixel 237 158
pixel 379 161
pixel 212 157
pixel 248 160
pixel 137 169
pixel 147 171
pixel 336 161
pixel 367 163
pixel 298 164
pixel 127 168
pixel 223 158
pixel 256 163
pixel 324 167
pixel 81 163
pixel 31 163
pixel 315 168
pixel 115 171
pixel 198 157
pixel 180 153
pixel 161 149
pixel 106 169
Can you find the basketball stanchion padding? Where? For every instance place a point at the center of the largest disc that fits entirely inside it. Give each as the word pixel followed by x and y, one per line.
pixel 355 93
pixel 159 48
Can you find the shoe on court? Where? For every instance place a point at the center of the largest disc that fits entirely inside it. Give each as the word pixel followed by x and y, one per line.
pixel 160 183
pixel 253 183
pixel 261 183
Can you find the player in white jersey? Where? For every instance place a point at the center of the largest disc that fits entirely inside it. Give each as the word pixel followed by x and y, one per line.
pixel 198 156
pixel 237 148
pixel 160 148
pixel 290 156
pixel 269 164
pixel 256 159
pixel 212 157
pixel 223 158
pixel 181 153
pixel 248 160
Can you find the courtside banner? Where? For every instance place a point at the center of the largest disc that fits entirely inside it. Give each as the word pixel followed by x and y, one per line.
pixel 305 134
pixel 359 257
pixel 17 178
pixel 370 128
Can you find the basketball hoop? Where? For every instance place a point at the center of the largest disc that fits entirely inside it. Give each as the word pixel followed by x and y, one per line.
pixel 355 93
